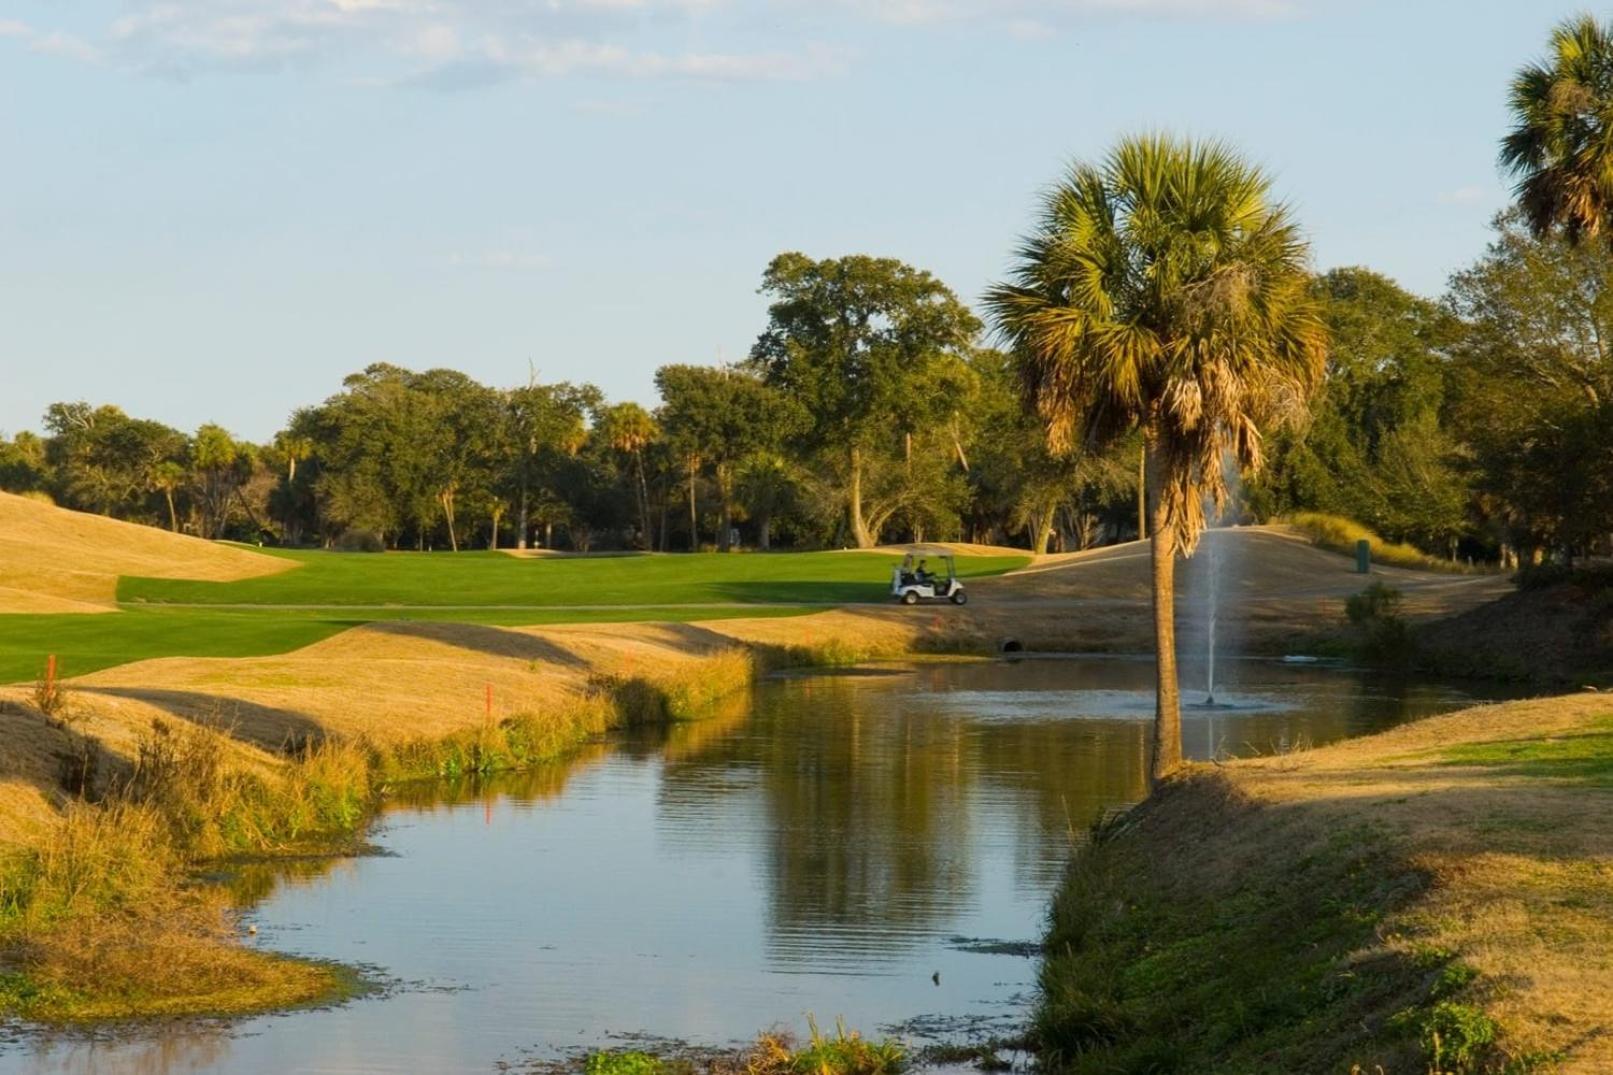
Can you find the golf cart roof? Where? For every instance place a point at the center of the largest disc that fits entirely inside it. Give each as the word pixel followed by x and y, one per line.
pixel 927 552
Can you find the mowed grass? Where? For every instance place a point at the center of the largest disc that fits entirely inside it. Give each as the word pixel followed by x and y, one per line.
pixel 327 579
pixel 331 592
pixel 88 643
pixel 1579 757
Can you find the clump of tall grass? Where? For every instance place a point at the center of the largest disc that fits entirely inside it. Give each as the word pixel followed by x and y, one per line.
pixel 841 1053
pixel 830 653
pixel 214 805
pixel 1339 534
pixel 497 746
pixel 686 694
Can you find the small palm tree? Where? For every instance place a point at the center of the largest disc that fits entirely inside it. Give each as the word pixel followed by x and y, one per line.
pixel 1560 149
pixel 166 477
pixel 1165 291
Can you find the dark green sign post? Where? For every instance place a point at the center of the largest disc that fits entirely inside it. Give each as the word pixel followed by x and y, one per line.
pixel 1363 557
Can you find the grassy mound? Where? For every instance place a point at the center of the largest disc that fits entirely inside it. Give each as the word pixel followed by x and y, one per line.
pixel 1557 628
pixel 1340 534
pixel 1435 899
pixel 55 560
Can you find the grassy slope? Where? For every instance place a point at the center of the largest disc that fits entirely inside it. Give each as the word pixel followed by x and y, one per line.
pixel 85 644
pixel 54 560
pixel 1438 898
pixel 486 578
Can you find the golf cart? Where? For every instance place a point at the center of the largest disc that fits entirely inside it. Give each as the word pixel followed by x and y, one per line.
pixel 912 581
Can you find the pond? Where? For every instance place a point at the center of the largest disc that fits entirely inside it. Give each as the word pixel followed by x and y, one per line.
pixel 878 845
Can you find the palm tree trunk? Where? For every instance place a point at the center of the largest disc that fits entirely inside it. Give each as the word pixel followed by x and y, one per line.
pixel 694 516
pixel 1142 493
pixel 173 516
pixel 643 500
pixel 1167 753
pixel 725 493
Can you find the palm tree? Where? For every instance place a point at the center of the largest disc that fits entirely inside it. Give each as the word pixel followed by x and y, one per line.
pixel 630 429
pixel 1164 290
pixel 167 476
pixel 1560 150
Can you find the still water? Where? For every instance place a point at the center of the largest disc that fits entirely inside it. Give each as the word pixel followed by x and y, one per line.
pixel 876 845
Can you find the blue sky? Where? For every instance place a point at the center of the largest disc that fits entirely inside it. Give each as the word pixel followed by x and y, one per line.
pixel 212 210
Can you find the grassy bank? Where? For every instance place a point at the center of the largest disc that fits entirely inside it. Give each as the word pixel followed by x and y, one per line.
pixel 1339 534
pixel 102 917
pixel 1435 899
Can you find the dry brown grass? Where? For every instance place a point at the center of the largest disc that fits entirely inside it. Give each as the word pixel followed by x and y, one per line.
pixel 37 540
pixel 1521 863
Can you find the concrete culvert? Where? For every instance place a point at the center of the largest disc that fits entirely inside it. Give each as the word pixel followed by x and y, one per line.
pixel 1011 645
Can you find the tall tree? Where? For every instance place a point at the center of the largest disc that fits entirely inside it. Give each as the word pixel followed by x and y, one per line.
pixel 1164 290
pixel 545 423
pixel 859 342
pixel 1533 387
pixel 219 466
pixel 721 416
pixel 1560 149
pixel 630 429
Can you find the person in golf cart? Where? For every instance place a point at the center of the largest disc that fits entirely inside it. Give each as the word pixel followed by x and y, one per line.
pixel 911 584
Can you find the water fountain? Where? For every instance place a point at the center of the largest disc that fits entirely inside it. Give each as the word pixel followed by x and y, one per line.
pixel 1213 552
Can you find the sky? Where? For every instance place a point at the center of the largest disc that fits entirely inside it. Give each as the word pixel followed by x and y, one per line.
pixel 213 210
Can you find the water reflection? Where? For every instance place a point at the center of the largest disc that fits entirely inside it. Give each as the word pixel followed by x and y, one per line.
pixel 818 848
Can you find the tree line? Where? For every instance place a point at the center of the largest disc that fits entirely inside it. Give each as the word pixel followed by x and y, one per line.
pixel 873 408
pixel 868 410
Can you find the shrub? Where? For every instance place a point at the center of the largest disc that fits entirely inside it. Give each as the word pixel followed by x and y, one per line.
pixel 359 541
pixel 1383 633
pixel 1455 1036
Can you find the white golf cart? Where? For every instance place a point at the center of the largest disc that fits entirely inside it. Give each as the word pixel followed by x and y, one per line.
pixel 912 580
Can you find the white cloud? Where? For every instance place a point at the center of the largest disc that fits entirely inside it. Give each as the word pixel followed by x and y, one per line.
pixel 1013 15
pixel 460 43
pixel 1469 195
pixel 65 45
pixel 53 43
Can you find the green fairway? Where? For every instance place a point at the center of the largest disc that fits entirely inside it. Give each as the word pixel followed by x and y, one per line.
pixel 87 643
pixel 327 579
pixel 330 592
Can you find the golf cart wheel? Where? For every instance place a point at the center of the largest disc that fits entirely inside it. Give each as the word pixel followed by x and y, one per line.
pixel 910 598
pixel 960 598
